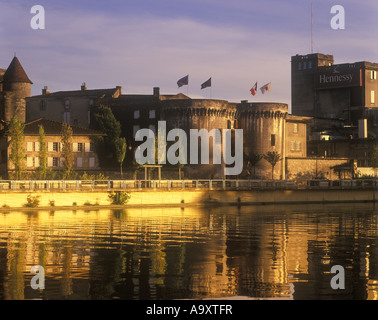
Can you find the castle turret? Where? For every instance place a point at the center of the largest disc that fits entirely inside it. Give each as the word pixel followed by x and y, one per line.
pixel 16 87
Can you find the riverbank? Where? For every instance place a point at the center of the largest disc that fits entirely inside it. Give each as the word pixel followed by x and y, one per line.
pixel 183 198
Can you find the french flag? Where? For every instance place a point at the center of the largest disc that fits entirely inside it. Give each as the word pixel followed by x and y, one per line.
pixel 254 89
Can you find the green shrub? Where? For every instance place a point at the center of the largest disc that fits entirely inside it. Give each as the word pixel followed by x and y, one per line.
pixel 101 176
pixel 118 197
pixel 32 201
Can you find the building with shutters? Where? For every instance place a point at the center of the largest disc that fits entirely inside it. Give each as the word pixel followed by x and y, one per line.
pixel 84 156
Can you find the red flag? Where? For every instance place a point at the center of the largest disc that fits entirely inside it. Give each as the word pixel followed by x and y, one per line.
pixel 254 89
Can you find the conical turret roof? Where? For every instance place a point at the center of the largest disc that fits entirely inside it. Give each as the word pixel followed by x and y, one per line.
pixel 16 73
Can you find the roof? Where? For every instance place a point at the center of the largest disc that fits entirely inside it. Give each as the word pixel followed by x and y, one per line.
pixel 16 73
pixel 79 93
pixel 53 128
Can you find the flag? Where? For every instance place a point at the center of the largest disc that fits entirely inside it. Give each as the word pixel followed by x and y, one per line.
pixel 267 87
pixel 206 84
pixel 254 89
pixel 183 81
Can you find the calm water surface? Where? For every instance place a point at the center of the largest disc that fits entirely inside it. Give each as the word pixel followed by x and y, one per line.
pixel 173 253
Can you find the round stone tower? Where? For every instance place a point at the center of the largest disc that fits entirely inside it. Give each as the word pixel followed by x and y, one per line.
pixel 16 87
pixel 199 114
pixel 264 130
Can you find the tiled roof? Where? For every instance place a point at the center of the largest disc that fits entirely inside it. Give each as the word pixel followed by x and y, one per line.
pixel 80 93
pixel 53 128
pixel 15 72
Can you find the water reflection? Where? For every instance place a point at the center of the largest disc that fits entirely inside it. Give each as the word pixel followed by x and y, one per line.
pixel 170 253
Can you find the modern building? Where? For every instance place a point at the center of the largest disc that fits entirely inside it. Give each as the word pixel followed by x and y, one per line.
pixel 320 88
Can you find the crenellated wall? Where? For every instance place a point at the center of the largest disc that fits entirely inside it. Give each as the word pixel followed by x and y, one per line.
pixel 264 130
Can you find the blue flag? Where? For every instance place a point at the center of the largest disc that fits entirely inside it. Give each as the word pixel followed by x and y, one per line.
pixel 183 81
pixel 206 84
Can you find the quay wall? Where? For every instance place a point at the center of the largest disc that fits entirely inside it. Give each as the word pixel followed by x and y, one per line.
pixel 191 197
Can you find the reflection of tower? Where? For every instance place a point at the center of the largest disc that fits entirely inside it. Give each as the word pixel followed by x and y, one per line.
pixel 16 87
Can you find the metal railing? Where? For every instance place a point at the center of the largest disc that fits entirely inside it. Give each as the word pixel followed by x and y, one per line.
pixel 109 185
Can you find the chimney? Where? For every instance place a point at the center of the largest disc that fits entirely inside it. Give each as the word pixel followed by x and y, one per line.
pixel 157 92
pixel 45 90
pixel 83 86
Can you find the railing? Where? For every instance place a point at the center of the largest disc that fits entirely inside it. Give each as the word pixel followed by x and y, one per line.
pixel 100 185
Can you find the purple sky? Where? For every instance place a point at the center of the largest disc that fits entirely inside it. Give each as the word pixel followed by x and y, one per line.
pixel 147 43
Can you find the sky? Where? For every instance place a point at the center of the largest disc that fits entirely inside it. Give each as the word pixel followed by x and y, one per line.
pixel 153 43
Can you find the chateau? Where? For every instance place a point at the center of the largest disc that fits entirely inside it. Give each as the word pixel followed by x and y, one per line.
pixel 266 126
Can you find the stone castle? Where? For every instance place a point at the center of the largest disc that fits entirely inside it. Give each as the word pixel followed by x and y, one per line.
pixel 266 126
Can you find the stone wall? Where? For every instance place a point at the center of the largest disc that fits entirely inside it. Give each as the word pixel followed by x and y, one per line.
pixel 318 168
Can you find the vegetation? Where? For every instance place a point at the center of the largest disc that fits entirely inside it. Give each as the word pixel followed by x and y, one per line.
pixel 32 201
pixel 17 150
pixel 272 157
pixel 107 146
pixel 252 159
pixel 118 197
pixel 67 153
pixel 373 158
pixel 120 149
pixel 42 170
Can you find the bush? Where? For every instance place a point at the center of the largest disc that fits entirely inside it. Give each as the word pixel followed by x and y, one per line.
pixel 32 201
pixel 118 197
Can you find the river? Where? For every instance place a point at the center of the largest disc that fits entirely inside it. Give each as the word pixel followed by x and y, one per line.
pixel 283 252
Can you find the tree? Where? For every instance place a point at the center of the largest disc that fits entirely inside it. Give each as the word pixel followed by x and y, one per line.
pixel 42 169
pixel 112 128
pixel 120 148
pixel 252 160
pixel 67 153
pixel 272 157
pixel 17 149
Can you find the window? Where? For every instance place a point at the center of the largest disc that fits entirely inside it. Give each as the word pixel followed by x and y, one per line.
pixel 300 66
pixel 292 145
pixel 91 102
pixel 295 128
pixel 298 146
pixel 42 105
pixel 372 97
pixel 29 162
pixel 36 162
pixel 79 162
pixel 29 146
pixel 36 146
pixel 152 114
pixel 91 162
pixel 135 130
pixel 273 140
pixel 310 64
pixel 80 147
pixel 55 146
pixel 373 75
pixel 67 104
pixel 55 162
pixel 229 124
pixel 91 147
pixel 304 65
pixel 67 117
pixel 136 114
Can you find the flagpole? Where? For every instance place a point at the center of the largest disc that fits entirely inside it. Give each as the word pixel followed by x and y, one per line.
pixel 211 88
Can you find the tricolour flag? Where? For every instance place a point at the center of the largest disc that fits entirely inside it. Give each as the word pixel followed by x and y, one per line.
pixel 183 81
pixel 267 87
pixel 254 89
pixel 206 84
